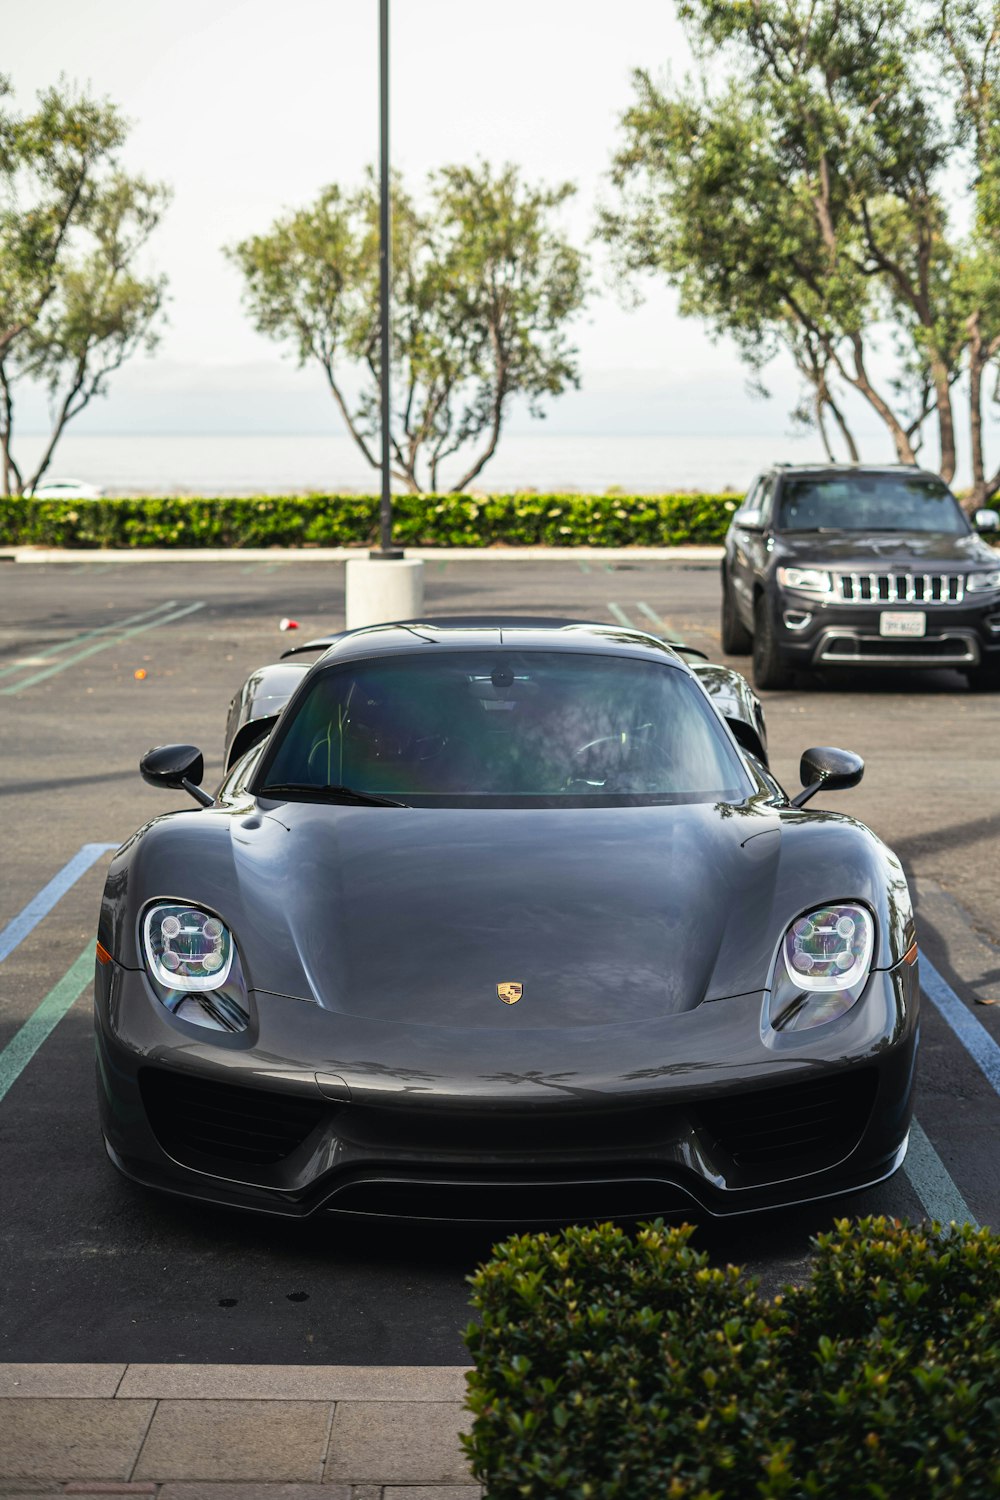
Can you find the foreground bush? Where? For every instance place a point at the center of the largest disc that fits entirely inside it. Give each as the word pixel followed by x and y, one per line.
pixel 612 1368
pixel 352 520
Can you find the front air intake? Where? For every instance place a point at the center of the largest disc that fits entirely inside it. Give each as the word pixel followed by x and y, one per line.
pixel 820 1121
pixel 199 1117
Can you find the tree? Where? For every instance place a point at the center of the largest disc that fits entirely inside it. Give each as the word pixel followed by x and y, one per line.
pixel 805 200
pixel 483 286
pixel 71 225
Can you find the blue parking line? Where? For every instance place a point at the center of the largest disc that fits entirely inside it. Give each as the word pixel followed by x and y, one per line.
pixel 43 1020
pixel 933 1183
pixel 40 906
pixel 973 1035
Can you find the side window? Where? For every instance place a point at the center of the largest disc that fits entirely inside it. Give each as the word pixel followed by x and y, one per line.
pixel 756 504
pixel 764 497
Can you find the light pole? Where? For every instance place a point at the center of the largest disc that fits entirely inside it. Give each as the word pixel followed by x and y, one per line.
pixel 385 548
pixel 385 585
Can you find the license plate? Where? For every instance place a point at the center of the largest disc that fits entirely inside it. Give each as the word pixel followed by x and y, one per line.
pixel 902 622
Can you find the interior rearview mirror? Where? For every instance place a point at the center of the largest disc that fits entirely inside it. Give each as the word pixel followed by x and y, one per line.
pixel 176 766
pixel 986 520
pixel 826 769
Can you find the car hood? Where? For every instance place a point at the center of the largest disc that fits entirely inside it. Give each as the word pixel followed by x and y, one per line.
pixel 881 551
pixel 602 916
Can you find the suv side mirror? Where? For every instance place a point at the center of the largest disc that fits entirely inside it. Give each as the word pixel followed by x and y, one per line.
pixel 176 766
pixel 986 520
pixel 825 769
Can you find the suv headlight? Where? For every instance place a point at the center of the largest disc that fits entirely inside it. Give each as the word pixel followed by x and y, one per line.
pixel 822 967
pixel 193 966
pixel 808 580
pixel 982 583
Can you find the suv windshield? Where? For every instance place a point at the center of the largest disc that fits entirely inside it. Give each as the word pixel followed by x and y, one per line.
pixel 502 726
pixel 869 502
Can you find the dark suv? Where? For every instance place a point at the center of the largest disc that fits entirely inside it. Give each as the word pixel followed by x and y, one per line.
pixel 857 565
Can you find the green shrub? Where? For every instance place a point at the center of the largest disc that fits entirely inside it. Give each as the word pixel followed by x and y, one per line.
pixel 352 520
pixel 613 1368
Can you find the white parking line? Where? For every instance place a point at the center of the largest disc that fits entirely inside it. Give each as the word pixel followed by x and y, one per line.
pixel 40 906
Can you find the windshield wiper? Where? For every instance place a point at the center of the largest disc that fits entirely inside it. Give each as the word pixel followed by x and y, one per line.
pixel 347 793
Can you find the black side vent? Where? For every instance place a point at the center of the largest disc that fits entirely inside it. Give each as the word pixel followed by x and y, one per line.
pixel 821 1120
pixel 197 1117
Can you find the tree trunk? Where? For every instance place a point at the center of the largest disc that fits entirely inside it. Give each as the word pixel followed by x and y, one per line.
pixel 946 418
pixel 861 383
pixel 978 495
pixel 10 468
pixel 819 406
pixel 841 421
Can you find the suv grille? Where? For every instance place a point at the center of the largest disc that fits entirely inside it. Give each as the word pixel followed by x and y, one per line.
pixel 900 588
pixel 822 1119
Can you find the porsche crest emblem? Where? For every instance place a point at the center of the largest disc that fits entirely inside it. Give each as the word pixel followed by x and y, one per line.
pixel 510 993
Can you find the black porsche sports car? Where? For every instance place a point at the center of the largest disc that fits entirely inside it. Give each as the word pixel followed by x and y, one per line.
pixel 504 920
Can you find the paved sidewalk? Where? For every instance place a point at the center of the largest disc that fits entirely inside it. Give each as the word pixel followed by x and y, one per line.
pixel 233 1432
pixel 342 554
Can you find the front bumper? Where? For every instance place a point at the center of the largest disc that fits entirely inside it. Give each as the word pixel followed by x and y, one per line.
pixel 694 1114
pixel 813 633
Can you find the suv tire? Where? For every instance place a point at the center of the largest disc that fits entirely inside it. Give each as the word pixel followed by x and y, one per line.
pixel 985 678
pixel 769 670
pixel 736 638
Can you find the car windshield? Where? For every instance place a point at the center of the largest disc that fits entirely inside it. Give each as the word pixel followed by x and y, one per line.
pixel 869 502
pixel 505 727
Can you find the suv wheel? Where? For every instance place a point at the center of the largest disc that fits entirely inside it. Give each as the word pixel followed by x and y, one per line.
pixel 736 638
pixel 769 670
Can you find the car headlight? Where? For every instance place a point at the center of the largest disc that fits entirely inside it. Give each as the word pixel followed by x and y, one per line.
pixel 809 580
pixel 822 967
pixel 193 966
pixel 982 583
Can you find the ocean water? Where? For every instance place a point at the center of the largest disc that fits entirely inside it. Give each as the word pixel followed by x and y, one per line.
pixel 258 464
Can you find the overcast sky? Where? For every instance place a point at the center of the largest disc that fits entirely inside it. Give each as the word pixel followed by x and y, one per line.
pixel 247 107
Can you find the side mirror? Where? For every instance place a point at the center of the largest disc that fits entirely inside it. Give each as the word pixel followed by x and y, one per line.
pixel 986 520
pixel 824 769
pixel 176 766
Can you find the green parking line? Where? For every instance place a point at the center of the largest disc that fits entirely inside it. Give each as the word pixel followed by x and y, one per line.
pixel 23 1045
pixel 933 1183
pixel 663 626
pixel 620 616
pixel 583 566
pixel 86 635
pixel 102 645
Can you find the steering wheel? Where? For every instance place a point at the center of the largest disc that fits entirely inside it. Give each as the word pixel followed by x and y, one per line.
pixel 617 772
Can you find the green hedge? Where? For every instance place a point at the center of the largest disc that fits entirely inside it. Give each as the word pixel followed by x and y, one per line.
pixel 352 520
pixel 612 1368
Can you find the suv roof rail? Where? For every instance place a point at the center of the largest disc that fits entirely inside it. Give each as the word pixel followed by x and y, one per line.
pixel 847 463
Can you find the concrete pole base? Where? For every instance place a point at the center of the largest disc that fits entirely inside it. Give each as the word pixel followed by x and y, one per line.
pixel 379 591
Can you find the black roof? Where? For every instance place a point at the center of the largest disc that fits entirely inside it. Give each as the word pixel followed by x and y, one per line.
pixel 471 632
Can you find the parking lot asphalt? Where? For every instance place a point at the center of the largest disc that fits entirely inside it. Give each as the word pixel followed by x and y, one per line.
pixel 93 1269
